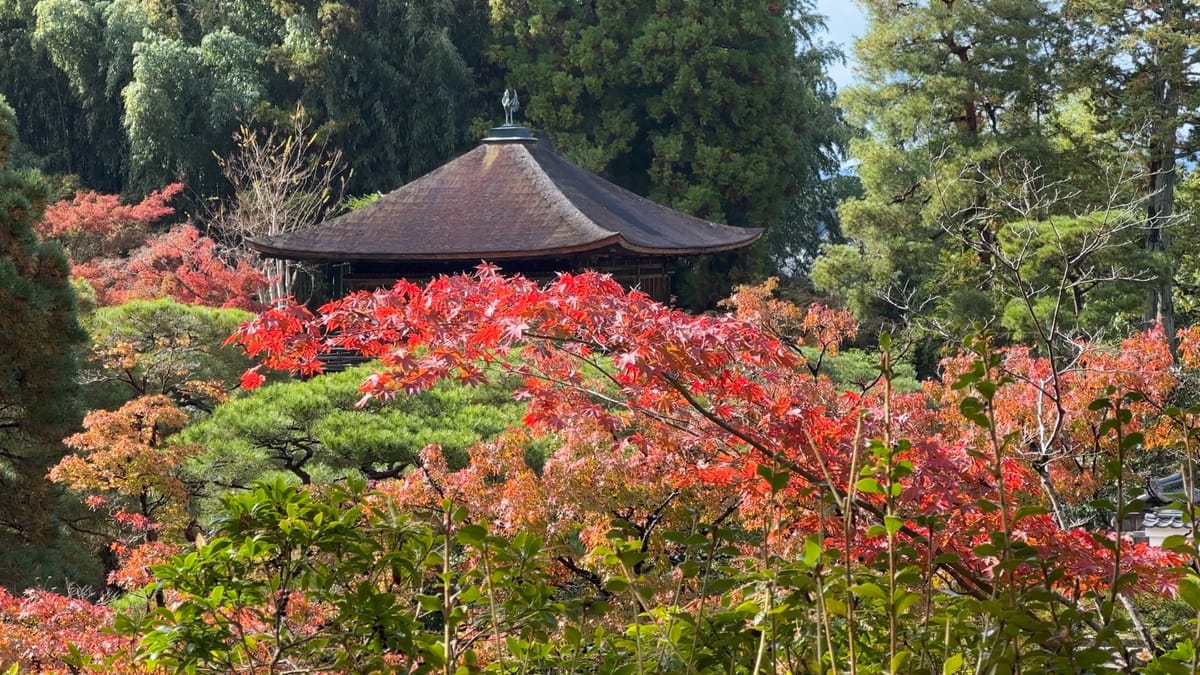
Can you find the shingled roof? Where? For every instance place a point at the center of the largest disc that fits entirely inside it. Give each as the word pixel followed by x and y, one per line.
pixel 509 198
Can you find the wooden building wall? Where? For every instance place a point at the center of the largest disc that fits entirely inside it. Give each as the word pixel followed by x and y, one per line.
pixel 651 275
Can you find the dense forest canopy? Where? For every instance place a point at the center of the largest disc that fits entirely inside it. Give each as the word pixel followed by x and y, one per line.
pixel 132 95
pixel 1017 149
pixel 926 435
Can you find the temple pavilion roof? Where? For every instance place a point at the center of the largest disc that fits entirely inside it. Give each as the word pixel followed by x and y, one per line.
pixel 509 198
pixel 1169 489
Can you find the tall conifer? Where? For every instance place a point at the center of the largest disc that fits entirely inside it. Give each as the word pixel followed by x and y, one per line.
pixel 986 196
pixel 720 109
pixel 39 339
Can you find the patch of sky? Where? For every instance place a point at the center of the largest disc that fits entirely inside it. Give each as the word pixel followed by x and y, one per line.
pixel 844 20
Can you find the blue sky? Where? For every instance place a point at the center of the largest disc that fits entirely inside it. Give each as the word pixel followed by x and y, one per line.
pixel 845 21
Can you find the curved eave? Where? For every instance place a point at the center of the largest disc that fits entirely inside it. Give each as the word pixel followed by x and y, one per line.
pixel 753 235
pixel 614 241
pixel 272 251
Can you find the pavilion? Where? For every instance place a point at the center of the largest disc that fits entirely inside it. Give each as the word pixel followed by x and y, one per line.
pixel 515 203
pixel 1163 514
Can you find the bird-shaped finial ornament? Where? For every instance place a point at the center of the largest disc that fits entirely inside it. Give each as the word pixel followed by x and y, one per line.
pixel 511 105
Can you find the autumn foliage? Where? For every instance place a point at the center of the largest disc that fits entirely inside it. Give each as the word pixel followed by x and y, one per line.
pixel 180 264
pixel 124 467
pixel 112 246
pixel 49 633
pixel 664 415
pixel 95 225
pixel 1044 408
pixel 698 471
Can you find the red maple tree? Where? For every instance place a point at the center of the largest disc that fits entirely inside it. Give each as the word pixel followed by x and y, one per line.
pixel 665 421
pixel 111 247
pixel 181 264
pixel 45 632
pixel 95 225
pixel 657 409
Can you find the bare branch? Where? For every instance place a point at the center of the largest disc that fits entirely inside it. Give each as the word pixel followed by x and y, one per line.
pixel 284 180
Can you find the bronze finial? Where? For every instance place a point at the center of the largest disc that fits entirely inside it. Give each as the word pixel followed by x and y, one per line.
pixel 511 105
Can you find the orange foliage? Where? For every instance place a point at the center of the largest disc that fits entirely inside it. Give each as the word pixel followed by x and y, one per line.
pixel 124 465
pixel 123 452
pixel 659 420
pixel 39 629
pixel 820 327
pixel 1044 409
pixel 675 434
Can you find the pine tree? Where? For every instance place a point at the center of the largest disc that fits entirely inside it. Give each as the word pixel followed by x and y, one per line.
pixel 39 342
pixel 985 193
pixel 1140 62
pixel 945 84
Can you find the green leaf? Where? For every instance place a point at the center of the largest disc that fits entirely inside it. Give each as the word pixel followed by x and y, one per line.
pixel 812 552
pixel 869 591
pixel 973 409
pixel 1027 511
pixel 893 524
pixel 1178 543
pixel 1188 590
pixel 472 535
pixel 778 480
pixel 470 594
pixel 616 585
pixel 869 486
pixel 904 600
pixel 952 664
pixel 1133 440
pixel 430 603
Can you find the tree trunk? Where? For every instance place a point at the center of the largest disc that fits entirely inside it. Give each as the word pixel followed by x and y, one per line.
pixel 1160 205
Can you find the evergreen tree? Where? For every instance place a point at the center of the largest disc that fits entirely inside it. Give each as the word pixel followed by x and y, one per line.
pixel 945 84
pixel 56 134
pixel 167 84
pixel 1140 61
pixel 1185 250
pixel 387 78
pixel 984 193
pixel 162 347
pixel 316 430
pixel 720 109
pixel 163 86
pixel 39 341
